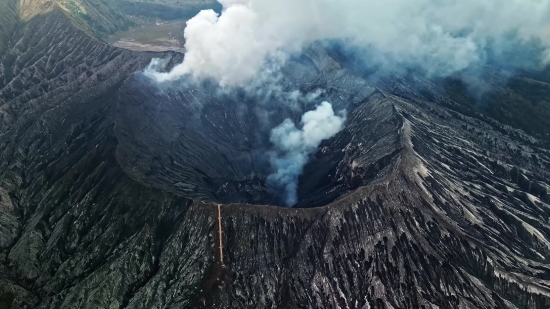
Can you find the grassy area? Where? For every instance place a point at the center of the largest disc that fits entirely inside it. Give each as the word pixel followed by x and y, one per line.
pixel 107 17
pixel 151 37
pixel 164 10
pixel 157 25
pixel 180 3
pixel 103 18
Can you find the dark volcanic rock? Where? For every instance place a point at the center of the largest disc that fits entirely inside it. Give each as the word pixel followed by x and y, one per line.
pixel 109 192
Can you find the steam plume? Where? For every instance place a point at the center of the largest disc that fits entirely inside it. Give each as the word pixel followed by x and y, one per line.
pixel 247 43
pixel 440 36
pixel 294 147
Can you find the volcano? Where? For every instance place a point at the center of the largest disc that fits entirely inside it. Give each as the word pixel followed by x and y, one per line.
pixel 116 192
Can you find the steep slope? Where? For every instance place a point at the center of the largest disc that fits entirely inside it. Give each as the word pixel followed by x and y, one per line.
pixel 522 103
pixel 97 18
pixel 110 189
pixel 55 82
pixel 8 22
pixel 438 209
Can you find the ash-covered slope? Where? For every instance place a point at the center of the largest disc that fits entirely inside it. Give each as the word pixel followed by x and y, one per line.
pixel 110 189
pixel 57 153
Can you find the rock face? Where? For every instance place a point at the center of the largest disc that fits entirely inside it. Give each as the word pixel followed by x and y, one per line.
pixel 110 189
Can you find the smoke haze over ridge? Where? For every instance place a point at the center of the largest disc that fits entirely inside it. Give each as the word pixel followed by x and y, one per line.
pixel 439 36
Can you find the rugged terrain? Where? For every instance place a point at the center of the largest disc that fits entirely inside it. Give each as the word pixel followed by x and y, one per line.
pixel 110 188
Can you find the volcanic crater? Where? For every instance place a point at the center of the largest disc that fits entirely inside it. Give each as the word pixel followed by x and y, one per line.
pixel 204 143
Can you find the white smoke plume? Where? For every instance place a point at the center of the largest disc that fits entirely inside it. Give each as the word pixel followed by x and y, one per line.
pixel 294 147
pixel 440 36
pixel 247 43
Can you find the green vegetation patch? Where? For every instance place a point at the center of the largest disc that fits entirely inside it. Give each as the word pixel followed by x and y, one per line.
pixel 101 17
pixel 164 11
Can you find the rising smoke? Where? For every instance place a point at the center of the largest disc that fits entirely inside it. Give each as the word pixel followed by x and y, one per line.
pixel 247 44
pixel 439 36
pixel 295 146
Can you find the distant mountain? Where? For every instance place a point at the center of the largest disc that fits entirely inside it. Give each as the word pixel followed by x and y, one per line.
pixel 114 193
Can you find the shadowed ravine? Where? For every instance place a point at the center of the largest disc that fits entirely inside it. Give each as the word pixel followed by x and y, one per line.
pixel 109 191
